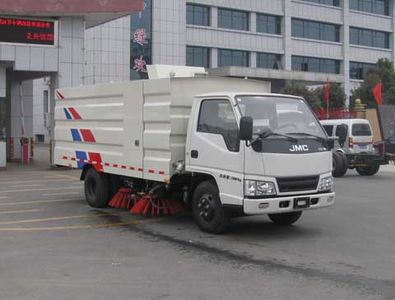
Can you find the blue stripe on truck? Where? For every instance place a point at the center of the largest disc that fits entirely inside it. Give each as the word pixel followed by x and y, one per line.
pixel 76 135
pixel 81 157
pixel 68 116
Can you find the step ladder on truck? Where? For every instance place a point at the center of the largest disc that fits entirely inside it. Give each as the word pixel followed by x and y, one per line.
pixel 226 147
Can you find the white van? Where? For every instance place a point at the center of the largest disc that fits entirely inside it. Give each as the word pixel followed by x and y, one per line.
pixel 359 137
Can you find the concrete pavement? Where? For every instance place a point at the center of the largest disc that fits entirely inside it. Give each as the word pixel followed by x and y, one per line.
pixel 53 246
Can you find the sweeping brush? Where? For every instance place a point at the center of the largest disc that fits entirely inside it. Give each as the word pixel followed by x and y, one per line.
pixel 154 206
pixel 124 198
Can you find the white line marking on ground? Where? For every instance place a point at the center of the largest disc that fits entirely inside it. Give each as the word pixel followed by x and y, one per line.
pixel 58 228
pixel 47 219
pixel 41 190
pixel 20 211
pixel 37 181
pixel 27 185
pixel 37 202
pixel 61 194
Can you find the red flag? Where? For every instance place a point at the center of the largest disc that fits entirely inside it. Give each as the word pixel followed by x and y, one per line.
pixel 326 95
pixel 378 93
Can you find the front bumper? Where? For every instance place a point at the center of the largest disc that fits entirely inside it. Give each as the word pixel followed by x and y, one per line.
pixel 272 205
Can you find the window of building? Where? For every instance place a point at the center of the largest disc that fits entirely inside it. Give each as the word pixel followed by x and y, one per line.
pixel 312 64
pixel 217 117
pixel 40 138
pixel 45 102
pixel 232 19
pixel 326 2
pixel 268 61
pixel 358 70
pixel 315 30
pixel 232 58
pixel 268 24
pixel 380 7
pixel 198 56
pixel 370 38
pixel 198 15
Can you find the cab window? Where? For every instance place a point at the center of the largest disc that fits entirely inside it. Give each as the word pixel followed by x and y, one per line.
pixel 328 129
pixel 217 117
pixel 338 129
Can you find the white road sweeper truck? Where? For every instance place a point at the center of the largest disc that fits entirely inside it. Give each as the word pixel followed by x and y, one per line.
pixel 227 147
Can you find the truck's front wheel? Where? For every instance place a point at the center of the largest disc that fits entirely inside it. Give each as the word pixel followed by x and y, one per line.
pixel 285 219
pixel 207 208
pixel 97 188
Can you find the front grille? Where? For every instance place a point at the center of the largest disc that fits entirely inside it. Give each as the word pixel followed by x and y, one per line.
pixel 296 184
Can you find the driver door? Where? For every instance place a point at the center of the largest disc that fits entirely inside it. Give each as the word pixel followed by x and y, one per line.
pixel 215 148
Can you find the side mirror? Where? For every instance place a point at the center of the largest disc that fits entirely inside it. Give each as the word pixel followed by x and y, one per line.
pixel 246 128
pixel 330 143
pixel 342 133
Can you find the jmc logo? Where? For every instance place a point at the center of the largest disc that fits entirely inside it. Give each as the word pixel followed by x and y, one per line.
pixel 299 148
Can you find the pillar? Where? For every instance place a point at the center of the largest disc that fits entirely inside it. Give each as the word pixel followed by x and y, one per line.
pixel 346 51
pixel 21 114
pixel 287 33
pixel 2 81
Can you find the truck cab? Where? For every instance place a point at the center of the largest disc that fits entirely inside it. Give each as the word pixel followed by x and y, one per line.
pixel 261 154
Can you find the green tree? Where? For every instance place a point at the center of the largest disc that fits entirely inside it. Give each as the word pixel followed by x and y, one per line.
pixel 337 97
pixel 384 71
pixel 297 89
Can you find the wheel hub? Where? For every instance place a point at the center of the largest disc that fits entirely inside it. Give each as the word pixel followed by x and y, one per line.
pixel 206 207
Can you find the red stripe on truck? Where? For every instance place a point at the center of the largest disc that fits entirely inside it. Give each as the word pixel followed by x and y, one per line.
pixel 87 136
pixel 74 113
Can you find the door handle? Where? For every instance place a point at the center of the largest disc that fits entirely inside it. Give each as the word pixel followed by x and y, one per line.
pixel 194 154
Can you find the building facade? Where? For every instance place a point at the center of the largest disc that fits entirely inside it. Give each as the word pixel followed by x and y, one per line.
pixel 42 49
pixel 277 40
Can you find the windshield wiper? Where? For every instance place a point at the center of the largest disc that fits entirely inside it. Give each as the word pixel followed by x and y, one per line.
pixel 268 133
pixel 316 137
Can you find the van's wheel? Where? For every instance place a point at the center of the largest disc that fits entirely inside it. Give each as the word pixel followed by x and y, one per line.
pixel 207 208
pixel 370 170
pixel 97 188
pixel 285 219
pixel 339 167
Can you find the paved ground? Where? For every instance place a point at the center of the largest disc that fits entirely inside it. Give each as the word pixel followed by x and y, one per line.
pixel 53 246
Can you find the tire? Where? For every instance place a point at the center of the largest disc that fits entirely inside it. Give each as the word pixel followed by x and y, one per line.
pixel 207 209
pixel 285 219
pixel 339 164
pixel 369 170
pixel 97 188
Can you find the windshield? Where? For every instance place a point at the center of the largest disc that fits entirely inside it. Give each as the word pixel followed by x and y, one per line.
pixel 361 129
pixel 280 114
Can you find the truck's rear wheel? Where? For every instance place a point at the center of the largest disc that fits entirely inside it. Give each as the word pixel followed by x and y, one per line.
pixel 368 170
pixel 97 188
pixel 339 164
pixel 285 219
pixel 207 208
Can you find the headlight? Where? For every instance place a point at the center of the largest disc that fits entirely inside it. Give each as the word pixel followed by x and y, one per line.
pixel 326 184
pixel 259 188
